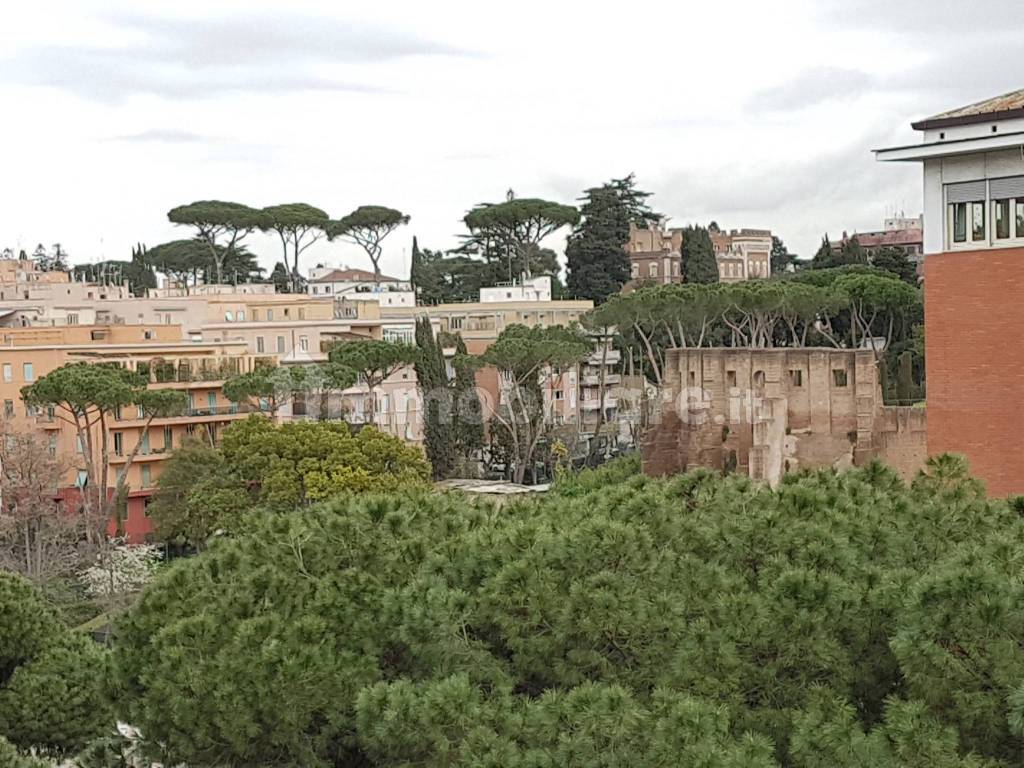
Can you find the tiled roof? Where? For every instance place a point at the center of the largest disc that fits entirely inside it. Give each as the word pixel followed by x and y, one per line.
pixel 352 276
pixel 1008 105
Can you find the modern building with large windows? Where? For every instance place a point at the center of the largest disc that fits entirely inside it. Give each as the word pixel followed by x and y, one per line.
pixel 973 162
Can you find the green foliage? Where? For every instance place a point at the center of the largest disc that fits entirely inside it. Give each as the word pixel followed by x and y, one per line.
pixel 301 462
pixel 298 226
pixel 138 273
pixel 270 387
pixel 57 701
pixel 516 227
pixel 698 256
pixel 895 260
pixel 597 260
pixel 213 219
pixel 839 620
pixel 197 493
pixel 203 489
pixel 52 694
pixel 440 278
pixel 11 758
pixel 367 226
pixel 373 360
pixel 179 259
pixel 435 392
pixel 781 258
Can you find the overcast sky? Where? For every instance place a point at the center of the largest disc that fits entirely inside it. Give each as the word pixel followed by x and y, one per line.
pixel 747 112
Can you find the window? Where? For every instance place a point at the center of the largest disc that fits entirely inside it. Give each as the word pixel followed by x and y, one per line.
pixel 270 315
pixel 730 378
pixel 455 323
pixel 144 444
pixel 167 319
pixel 72 318
pixel 147 476
pixel 652 269
pixel 79 446
pixel 30 411
pixel 796 378
pixel 839 377
pixel 977 221
pixel 255 315
pixel 29 374
pixel 559 394
pixel 286 312
pixel 168 439
pixel 1001 214
pixel 634 270
pixel 229 316
pixel 241 315
pixel 304 343
pixel 53 445
pixel 119 443
pixel 8 409
pixel 8 373
pixel 1020 218
pixel 147 334
pixel 259 345
pixel 211 401
pixel 280 345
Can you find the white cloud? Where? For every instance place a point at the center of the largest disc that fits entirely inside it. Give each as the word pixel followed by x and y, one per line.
pixel 761 116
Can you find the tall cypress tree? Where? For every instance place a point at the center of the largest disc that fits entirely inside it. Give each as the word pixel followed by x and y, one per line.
pixel 699 263
pixel 432 380
pixel 596 255
pixel 468 412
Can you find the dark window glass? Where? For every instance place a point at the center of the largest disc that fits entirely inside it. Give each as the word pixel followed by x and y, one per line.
pixel 1002 208
pixel 977 221
pixel 959 222
pixel 1020 218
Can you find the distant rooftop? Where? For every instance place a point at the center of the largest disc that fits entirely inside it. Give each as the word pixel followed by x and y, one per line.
pixel 352 276
pixel 1000 107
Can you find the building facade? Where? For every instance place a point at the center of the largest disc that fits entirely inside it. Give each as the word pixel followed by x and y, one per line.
pixel 163 358
pixel 742 254
pixel 973 172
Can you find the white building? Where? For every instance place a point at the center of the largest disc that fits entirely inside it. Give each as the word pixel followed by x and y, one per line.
pixel 360 284
pixel 973 170
pixel 534 289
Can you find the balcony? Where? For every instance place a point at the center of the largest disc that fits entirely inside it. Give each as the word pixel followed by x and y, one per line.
pixel 594 379
pixel 593 404
pixel 195 369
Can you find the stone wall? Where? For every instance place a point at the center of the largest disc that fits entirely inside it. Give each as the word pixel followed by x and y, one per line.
pixel 770 411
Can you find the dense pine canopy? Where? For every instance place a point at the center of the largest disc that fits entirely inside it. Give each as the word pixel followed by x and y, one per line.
pixel 841 620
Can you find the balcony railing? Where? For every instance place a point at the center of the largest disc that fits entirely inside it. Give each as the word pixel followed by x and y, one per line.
pixel 183 371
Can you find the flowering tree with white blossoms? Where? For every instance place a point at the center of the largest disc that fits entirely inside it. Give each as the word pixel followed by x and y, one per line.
pixel 120 571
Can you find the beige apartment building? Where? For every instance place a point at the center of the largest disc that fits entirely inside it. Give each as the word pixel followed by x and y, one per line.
pixel 198 369
pixel 743 254
pixel 655 254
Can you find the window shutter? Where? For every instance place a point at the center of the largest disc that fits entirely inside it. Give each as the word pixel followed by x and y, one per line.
pixel 965 192
pixel 1012 186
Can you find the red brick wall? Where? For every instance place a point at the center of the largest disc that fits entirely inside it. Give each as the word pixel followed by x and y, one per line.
pixel 974 338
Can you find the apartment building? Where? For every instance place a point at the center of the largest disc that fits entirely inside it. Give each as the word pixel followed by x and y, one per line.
pixel 742 254
pixel 655 255
pixel 897 232
pixel 27 271
pixel 158 352
pixel 344 282
pixel 973 171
